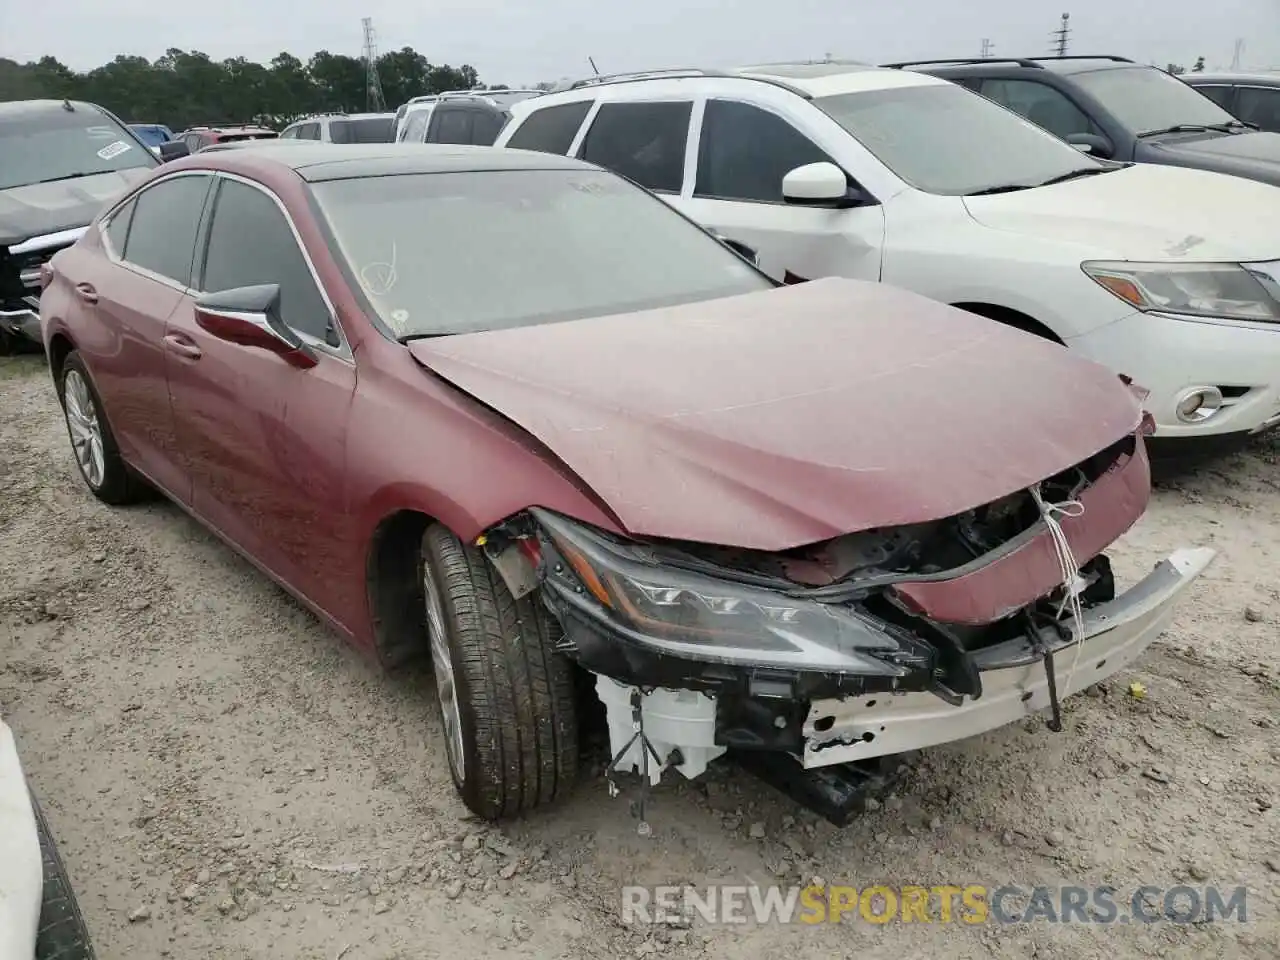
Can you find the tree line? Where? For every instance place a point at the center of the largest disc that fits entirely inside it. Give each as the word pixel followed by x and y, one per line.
pixel 184 88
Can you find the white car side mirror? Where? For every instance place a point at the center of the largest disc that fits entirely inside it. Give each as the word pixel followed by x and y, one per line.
pixel 815 183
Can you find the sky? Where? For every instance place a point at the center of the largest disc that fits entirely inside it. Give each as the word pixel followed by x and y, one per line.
pixel 518 42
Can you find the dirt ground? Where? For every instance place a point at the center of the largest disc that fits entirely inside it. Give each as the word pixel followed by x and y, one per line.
pixel 228 780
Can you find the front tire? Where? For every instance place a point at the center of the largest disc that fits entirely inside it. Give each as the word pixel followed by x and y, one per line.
pixel 97 457
pixel 506 696
pixel 62 934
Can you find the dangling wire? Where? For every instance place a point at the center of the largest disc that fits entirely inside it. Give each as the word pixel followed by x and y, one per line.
pixel 1067 565
pixel 646 751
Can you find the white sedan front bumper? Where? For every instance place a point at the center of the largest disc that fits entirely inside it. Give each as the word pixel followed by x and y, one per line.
pixel 1014 681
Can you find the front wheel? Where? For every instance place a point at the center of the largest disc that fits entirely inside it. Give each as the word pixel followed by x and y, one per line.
pixel 506 696
pixel 62 934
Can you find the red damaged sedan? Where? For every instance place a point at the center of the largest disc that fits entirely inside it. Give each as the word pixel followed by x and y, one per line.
pixel 512 412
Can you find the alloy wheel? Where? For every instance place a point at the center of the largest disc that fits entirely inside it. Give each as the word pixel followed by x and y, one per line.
pixel 442 664
pixel 84 428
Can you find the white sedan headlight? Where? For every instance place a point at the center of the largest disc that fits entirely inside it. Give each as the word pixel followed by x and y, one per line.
pixel 1227 291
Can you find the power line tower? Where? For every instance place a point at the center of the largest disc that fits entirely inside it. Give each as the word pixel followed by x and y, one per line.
pixel 1237 54
pixel 372 85
pixel 987 47
pixel 1061 35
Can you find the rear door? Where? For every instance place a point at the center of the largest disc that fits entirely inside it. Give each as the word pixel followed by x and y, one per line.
pixel 266 441
pixel 150 242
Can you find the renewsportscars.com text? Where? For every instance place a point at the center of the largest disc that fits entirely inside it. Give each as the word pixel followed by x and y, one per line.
pixel 968 904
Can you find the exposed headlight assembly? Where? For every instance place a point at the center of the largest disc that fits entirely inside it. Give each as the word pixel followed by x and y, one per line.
pixel 1225 291
pixel 694 616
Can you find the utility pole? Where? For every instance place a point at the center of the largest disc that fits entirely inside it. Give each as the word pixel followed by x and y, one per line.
pixel 986 48
pixel 372 85
pixel 1061 35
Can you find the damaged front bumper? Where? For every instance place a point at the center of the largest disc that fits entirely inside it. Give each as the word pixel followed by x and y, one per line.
pixel 695 660
pixel 1014 679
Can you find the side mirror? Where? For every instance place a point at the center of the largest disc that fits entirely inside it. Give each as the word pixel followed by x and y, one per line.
pixel 820 184
pixel 173 150
pixel 1092 144
pixel 250 316
pixel 737 246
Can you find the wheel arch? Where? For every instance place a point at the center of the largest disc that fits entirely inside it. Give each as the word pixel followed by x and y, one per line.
pixel 1011 318
pixel 60 347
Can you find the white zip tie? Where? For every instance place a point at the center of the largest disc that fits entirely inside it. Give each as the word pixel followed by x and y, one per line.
pixel 1067 565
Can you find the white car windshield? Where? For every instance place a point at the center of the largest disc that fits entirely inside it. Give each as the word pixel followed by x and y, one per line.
pixel 64 145
pixel 443 253
pixel 944 139
pixel 1147 100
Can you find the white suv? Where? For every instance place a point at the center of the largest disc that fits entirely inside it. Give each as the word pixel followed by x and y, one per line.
pixel 343 128
pixel 1171 276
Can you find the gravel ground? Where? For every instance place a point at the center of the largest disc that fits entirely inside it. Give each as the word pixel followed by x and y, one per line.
pixel 228 780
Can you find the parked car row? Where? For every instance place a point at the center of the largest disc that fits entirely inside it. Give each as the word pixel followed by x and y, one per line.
pixel 588 408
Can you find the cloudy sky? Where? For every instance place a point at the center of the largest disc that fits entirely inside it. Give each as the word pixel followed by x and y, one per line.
pixel 518 42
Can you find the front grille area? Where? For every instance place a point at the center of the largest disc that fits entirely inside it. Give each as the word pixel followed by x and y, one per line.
pixel 20 277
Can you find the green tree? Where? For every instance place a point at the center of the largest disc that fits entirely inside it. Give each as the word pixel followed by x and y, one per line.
pixel 184 87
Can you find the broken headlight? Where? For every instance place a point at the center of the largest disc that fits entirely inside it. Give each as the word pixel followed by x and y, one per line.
pixel 1226 291
pixel 696 616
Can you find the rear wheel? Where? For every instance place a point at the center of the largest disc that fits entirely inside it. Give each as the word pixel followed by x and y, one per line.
pixel 97 457
pixel 506 696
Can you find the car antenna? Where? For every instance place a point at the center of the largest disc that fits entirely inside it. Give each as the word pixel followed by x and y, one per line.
pixel 66 105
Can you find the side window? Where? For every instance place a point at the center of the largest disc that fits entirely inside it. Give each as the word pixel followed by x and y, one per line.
pixel 1041 104
pixel 745 152
pixel 162 234
pixel 1219 93
pixel 250 242
pixel 643 141
pixel 1260 106
pixel 551 129
pixel 118 227
pixel 309 131
pixel 450 125
pixel 193 142
pixel 486 125
pixel 415 128
pixel 289 133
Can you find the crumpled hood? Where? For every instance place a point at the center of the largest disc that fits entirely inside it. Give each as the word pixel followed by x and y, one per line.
pixel 43 208
pixel 1253 155
pixel 1145 212
pixel 793 415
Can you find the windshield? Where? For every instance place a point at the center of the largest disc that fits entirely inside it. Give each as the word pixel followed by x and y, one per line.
pixel 63 144
pixel 1147 100
pixel 364 130
pixel 944 139
pixel 461 252
pixel 152 134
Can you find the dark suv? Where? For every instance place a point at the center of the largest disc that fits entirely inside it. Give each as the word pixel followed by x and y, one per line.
pixel 1253 97
pixel 61 161
pixel 1113 108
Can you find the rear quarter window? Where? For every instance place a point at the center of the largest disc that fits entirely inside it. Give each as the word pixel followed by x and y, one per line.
pixel 550 129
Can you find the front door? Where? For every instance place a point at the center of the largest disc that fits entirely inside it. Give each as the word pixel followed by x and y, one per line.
pixel 265 441
pixel 744 151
